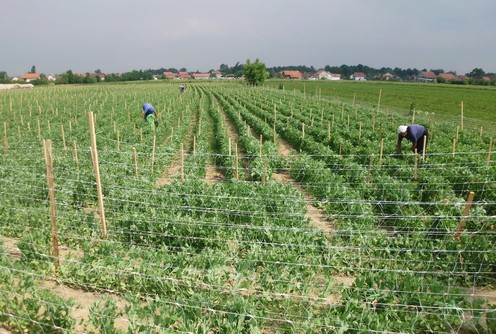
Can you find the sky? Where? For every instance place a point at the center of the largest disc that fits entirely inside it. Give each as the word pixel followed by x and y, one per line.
pixel 119 36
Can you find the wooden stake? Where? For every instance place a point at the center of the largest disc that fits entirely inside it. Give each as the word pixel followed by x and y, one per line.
pixel 360 132
pixel 118 140
pixel 261 145
pixel 39 129
pixel 329 131
pixel 135 163
pixel 94 151
pixel 461 123
pixel 466 211
pixel 264 176
pixel 153 152
pixel 182 163
pixel 354 96
pixel 5 145
pixel 51 194
pixel 415 169
pixel 454 147
pixel 490 149
pixel 371 164
pixel 75 152
pixel 236 159
pixel 379 102
pixel 302 131
pixel 63 136
pixel 380 154
pixel 424 147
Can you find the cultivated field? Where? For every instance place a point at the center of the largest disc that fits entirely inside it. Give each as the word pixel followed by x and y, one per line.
pixel 248 210
pixel 442 101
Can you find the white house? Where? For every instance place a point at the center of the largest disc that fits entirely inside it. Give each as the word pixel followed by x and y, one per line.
pixel 358 76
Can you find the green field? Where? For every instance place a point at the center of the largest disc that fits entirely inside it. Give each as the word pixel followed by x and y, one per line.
pixel 247 210
pixel 479 103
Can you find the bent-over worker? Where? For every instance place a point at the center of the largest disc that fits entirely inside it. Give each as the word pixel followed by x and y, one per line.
pixel 150 115
pixel 416 134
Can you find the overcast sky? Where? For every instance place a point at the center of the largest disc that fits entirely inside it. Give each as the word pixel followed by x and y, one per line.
pixel 119 36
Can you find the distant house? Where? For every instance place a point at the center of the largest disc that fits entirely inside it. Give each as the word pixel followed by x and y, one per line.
pixel 217 74
pixel 198 76
pixel 426 76
pixel 358 76
pixel 183 75
pixel 335 76
pixel 51 77
pixel 170 75
pixel 28 77
pixel 447 76
pixel 321 74
pixel 229 76
pixel 293 75
pixel 387 76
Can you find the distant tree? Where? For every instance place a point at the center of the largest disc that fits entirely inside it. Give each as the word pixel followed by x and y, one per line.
pixel 477 73
pixel 33 69
pixel 98 71
pixel 183 69
pixel 4 78
pixel 255 73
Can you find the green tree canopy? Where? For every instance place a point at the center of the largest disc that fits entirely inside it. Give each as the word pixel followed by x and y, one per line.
pixel 255 73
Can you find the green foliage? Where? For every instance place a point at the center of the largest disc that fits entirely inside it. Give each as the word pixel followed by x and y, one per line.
pixel 255 73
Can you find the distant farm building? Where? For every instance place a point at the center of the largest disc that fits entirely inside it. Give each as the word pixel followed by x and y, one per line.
pixel 183 75
pixel 170 75
pixel 28 77
pixel 198 76
pixel 358 76
pixel 293 75
pixel 426 76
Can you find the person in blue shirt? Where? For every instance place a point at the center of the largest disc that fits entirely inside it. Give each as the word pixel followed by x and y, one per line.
pixel 150 115
pixel 416 134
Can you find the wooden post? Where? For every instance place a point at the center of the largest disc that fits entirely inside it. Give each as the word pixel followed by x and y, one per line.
pixel 275 134
pixel 424 147
pixel 415 169
pixel 461 123
pixel 490 149
pixel 182 163
pixel 51 194
pixel 302 131
pixel 153 152
pixel 457 130
pixel 5 145
pixel 63 136
pixel 371 164
pixel 464 216
pixel 360 132
pixel 454 147
pixel 236 159
pixel 379 102
pixel 328 131
pixel 381 151
pixel 194 145
pixel 135 163
pixel 264 176
pixel 354 96
pixel 94 151
pixel 39 129
pixel 75 152
pixel 261 144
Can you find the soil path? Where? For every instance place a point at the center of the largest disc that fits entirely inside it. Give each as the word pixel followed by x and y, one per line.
pixel 174 168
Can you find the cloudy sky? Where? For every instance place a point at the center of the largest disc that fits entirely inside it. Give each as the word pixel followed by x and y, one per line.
pixel 119 36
